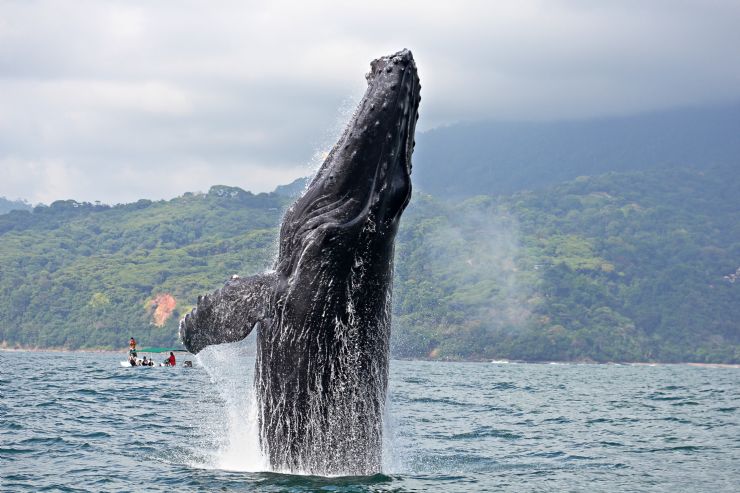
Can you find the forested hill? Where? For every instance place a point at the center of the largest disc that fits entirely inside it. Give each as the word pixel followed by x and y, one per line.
pixel 504 157
pixel 82 275
pixel 631 266
pixel 620 267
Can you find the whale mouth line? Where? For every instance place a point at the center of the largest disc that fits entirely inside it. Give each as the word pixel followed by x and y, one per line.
pixel 392 161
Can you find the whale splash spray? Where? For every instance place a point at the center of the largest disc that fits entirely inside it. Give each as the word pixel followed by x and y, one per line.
pixel 234 434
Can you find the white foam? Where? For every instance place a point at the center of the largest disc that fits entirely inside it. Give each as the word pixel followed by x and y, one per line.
pixel 235 430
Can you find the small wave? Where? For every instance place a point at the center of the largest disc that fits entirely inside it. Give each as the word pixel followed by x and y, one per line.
pixel 95 434
pixel 661 397
pixel 673 387
pixel 431 400
pixel 47 403
pixel 549 455
pixel 676 420
pixel 712 391
pixel 611 444
pixel 500 409
pixel 487 432
pixel 87 391
pixel 147 414
pixel 297 482
pixel 504 386
pixel 577 457
pixel 415 380
pixel 15 450
pixel 451 463
pixel 124 375
pixel 42 440
pixel 686 403
pixel 678 448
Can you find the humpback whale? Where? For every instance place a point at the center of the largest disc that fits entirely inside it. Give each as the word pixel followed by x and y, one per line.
pixel 323 315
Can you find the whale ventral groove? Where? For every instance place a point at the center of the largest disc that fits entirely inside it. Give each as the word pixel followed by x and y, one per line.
pixel 323 315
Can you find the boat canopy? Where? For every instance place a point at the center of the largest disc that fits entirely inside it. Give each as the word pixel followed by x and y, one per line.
pixel 161 350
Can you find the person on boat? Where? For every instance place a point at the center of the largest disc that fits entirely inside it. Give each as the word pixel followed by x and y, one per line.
pixel 144 362
pixel 132 360
pixel 171 359
pixel 132 347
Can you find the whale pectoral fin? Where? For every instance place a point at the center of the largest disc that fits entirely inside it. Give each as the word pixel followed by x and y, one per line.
pixel 229 314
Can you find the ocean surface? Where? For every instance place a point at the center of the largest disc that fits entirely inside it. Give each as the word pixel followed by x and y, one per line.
pixel 81 422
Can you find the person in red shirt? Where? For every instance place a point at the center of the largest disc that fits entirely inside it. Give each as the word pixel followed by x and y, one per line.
pixel 132 350
pixel 171 359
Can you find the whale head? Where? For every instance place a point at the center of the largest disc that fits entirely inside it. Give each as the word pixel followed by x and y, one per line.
pixel 365 180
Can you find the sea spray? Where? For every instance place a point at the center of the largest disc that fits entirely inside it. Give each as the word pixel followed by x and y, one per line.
pixel 235 433
pixel 392 461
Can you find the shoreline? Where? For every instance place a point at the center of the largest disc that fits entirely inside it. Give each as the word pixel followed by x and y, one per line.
pixel 500 362
pixel 58 350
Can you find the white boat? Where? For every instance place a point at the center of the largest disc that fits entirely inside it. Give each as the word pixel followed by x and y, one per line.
pixel 154 350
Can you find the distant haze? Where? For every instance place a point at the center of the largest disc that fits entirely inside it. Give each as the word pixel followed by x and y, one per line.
pixel 116 101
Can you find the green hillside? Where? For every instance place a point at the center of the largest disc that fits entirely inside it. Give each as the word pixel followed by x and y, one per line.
pixel 632 266
pixel 79 275
pixel 621 267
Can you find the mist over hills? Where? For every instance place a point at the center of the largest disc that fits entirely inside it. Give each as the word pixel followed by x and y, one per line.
pixel 560 250
pixel 7 205
pixel 504 157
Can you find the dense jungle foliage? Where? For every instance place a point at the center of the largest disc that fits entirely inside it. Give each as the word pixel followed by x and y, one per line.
pixel 620 267
pixel 634 266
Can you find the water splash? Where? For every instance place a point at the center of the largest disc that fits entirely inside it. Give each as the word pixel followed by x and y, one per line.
pixel 228 426
pixel 234 431
pixel 391 461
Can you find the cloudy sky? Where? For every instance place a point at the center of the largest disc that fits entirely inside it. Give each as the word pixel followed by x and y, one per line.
pixel 116 101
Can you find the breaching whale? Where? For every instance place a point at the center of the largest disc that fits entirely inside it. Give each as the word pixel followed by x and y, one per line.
pixel 323 315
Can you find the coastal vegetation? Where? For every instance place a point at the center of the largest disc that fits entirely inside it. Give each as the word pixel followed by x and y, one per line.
pixel 635 266
pixel 628 266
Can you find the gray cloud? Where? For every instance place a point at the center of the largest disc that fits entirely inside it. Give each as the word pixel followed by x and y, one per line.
pixel 116 101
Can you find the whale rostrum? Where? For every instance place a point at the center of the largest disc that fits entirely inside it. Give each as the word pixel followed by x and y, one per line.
pixel 323 315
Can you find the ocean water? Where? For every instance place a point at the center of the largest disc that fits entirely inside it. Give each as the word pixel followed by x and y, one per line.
pixel 81 422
